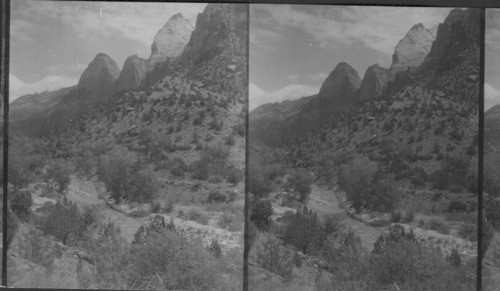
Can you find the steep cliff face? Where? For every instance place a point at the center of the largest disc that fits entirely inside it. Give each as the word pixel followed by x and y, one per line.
pixel 133 73
pixel 456 48
pixel 216 52
pixel 374 82
pixel 412 49
pixel 170 41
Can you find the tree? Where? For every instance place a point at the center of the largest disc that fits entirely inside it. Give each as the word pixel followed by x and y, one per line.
pixel 64 222
pixel 304 231
pixel 59 171
pixel 355 179
pixel 20 203
pixel 115 169
pixel 144 185
pixel 300 183
pixel 261 213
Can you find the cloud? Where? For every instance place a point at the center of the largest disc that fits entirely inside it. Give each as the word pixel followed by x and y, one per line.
pixel 135 21
pixel 258 96
pixel 18 88
pixel 74 69
pixel 318 77
pixel 332 26
pixel 491 96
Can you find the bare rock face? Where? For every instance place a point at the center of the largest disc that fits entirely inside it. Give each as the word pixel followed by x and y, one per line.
pixel 457 41
pixel 132 74
pixel 216 52
pixel 374 82
pixel 99 77
pixel 412 49
pixel 170 41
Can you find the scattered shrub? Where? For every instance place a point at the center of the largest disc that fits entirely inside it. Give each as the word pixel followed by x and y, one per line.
pixel 196 215
pixel 216 196
pixel 234 176
pixel 215 249
pixel 457 205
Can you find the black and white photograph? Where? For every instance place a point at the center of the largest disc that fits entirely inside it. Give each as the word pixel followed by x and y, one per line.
pixel 363 139
pixel 491 170
pixel 127 145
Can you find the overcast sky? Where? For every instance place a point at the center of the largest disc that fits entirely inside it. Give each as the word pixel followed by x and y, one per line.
pixel 293 48
pixel 52 42
pixel 492 59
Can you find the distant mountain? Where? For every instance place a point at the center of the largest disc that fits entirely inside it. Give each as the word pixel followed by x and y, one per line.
pixel 424 107
pixel 36 115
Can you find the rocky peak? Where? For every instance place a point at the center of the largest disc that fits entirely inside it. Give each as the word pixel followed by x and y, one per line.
pixel 170 41
pixel 342 80
pixel 412 49
pixel 100 75
pixel 132 74
pixel 374 82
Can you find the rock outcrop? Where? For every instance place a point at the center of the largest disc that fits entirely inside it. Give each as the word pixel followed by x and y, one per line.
pixel 374 82
pixel 133 73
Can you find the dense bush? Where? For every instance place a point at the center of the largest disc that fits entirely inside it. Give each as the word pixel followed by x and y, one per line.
pixel 258 184
pixel 167 260
pixel 269 253
pixel 65 222
pixel 216 196
pixel 234 176
pixel 457 205
pixel 492 211
pixel 304 231
pixel 20 203
pixel 215 249
pixel 260 214
pixel 239 129
pixel 355 180
pixel 300 183
pixel 115 170
pixel 59 171
pixel 143 186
